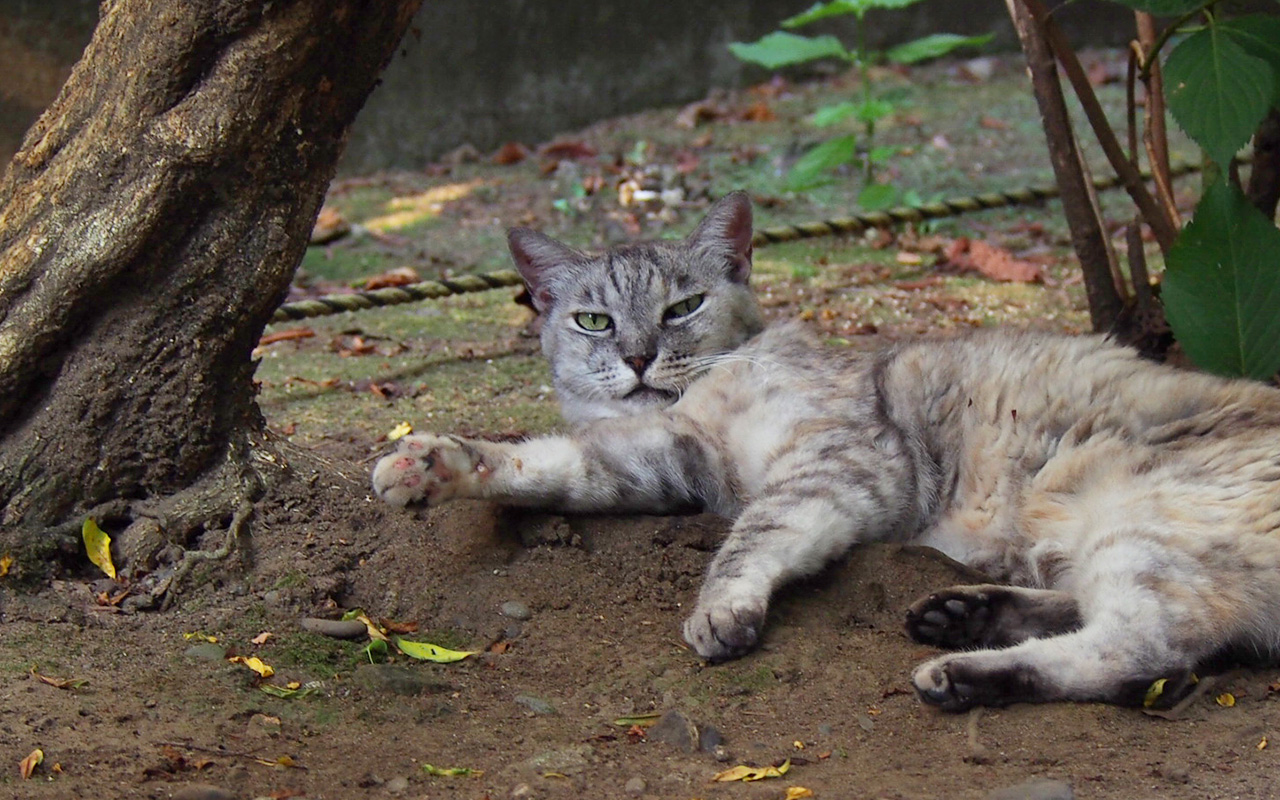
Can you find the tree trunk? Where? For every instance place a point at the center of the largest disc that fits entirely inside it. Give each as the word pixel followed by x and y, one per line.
pixel 149 225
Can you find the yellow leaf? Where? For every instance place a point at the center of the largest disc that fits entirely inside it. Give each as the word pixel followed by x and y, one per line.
pixel 375 632
pixel 282 761
pixel 797 792
pixel 1226 699
pixel 1262 745
pixel 745 773
pixel 261 638
pixel 1153 693
pixel 426 651
pixel 452 772
pixel 28 765
pixel 6 561
pixel 254 663
pixel 797 744
pixel 399 431
pixel 98 545
pixel 643 720
pixel 204 637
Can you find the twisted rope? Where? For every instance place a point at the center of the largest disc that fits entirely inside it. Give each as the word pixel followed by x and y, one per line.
pixel 395 295
pixel 901 215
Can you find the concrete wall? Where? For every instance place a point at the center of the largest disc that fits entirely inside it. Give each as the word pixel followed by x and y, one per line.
pixel 487 71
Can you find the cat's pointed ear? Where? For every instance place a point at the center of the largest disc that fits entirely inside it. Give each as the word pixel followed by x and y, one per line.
pixel 727 229
pixel 538 257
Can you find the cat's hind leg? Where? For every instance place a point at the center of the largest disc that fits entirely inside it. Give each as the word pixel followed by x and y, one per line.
pixel 991 616
pixel 1151 606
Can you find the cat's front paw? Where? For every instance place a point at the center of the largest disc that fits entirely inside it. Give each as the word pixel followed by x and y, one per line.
pixel 727 629
pixel 426 468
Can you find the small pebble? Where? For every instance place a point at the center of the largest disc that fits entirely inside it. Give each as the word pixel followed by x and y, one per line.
pixel 535 704
pixel 335 628
pixel 635 786
pixel 516 610
pixel 522 791
pixel 203 791
pixel 1035 789
pixel 205 651
pixel 397 785
pixel 676 730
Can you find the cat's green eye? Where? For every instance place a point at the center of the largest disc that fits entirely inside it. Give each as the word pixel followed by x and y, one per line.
pixel 684 308
pixel 590 321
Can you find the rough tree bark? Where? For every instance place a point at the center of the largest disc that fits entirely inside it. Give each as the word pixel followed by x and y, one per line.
pixel 149 225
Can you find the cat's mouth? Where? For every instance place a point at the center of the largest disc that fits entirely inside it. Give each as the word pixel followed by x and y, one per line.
pixel 651 396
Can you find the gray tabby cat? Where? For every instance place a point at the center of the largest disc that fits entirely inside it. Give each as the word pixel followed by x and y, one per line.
pixel 1133 508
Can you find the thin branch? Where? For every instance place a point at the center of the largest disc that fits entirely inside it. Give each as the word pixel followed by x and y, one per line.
pixel 1079 203
pixel 1161 225
pixel 1154 135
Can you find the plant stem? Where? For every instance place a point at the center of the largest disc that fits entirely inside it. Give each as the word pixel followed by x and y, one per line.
pixel 1079 204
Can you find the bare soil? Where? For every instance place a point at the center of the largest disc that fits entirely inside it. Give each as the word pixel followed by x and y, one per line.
pixel 575 620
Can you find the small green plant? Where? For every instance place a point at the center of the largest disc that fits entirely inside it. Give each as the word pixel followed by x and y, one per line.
pixel 782 49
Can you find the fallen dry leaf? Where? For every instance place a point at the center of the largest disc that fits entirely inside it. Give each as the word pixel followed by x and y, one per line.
pixel 797 792
pixel 400 276
pixel 28 765
pixel 261 638
pixel 758 111
pixel 993 123
pixel 284 336
pixel 6 561
pixel 996 263
pixel 392 626
pixel 58 683
pixel 695 114
pixel 567 149
pixel 330 225
pixel 511 153
pixel 746 773
pixel 254 663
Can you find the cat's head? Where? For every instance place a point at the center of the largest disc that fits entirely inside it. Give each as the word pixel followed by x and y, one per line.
pixel 629 329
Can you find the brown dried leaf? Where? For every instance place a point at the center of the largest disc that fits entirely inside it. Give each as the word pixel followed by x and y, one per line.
pixel 999 264
pixel 694 114
pixel 567 149
pixel 758 111
pixel 511 153
pixel 400 276
pixel 284 336
pixel 392 626
pixel 58 683
pixel 993 124
pixel 330 225
pixel 28 765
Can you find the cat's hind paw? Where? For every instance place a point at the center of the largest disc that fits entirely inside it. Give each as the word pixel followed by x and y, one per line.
pixel 990 616
pixel 726 630
pixel 426 468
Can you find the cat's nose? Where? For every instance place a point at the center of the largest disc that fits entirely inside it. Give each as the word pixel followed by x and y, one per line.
pixel 638 363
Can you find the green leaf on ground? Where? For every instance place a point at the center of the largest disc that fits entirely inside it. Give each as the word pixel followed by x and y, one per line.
pixel 939 44
pixel 781 49
pixel 1217 92
pixel 1222 286
pixel 425 651
pixel 809 170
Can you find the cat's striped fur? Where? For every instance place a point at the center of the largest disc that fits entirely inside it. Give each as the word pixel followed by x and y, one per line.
pixel 1133 508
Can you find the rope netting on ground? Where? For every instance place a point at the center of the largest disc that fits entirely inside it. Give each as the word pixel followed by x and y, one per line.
pixel 889 218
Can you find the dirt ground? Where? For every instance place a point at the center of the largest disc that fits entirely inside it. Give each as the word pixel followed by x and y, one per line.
pixel 575 620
